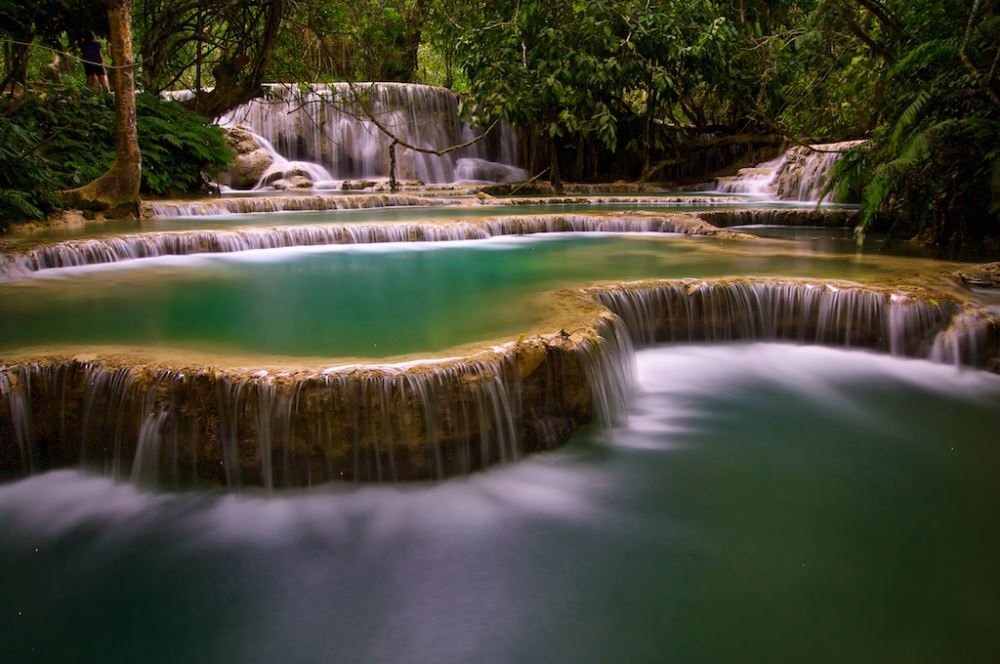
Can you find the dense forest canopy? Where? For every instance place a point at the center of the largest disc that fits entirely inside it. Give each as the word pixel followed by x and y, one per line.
pixel 654 89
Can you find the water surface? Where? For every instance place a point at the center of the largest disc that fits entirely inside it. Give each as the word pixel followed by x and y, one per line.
pixel 376 300
pixel 764 503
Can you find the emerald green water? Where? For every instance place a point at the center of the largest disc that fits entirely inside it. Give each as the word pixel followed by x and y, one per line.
pixel 374 300
pixel 764 503
pixel 371 215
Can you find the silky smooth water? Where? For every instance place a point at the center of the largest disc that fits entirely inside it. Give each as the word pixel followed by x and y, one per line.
pixel 764 503
pixel 373 300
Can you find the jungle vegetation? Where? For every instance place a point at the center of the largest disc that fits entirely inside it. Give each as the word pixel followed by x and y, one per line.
pixel 663 90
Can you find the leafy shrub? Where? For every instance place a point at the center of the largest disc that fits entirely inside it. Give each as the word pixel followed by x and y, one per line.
pixel 26 182
pixel 177 146
pixel 933 161
pixel 77 129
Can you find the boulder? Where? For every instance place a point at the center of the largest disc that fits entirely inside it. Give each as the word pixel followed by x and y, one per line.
pixel 357 185
pixel 293 182
pixel 251 162
pixel 248 168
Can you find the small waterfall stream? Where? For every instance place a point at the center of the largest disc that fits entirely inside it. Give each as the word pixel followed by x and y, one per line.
pixel 800 174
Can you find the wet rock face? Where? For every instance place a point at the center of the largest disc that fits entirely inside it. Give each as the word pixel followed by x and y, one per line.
pixel 292 182
pixel 982 276
pixel 251 162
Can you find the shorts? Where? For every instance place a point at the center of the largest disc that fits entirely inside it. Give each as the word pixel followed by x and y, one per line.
pixel 95 68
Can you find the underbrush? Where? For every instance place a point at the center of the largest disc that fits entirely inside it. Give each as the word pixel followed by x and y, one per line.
pixel 65 138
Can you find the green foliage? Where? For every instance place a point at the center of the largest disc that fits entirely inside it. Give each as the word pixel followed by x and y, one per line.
pixel 623 77
pixel 367 40
pixel 25 178
pixel 934 155
pixel 177 145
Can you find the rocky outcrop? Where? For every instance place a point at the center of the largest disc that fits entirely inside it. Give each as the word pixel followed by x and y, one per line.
pixel 251 162
pixel 986 275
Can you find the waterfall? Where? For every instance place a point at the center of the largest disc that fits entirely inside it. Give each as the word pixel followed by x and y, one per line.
pixel 754 181
pixel 807 170
pixel 967 340
pixel 820 313
pixel 415 420
pixel 609 361
pixel 436 418
pixel 800 174
pixel 76 253
pixel 321 202
pixel 292 203
pixel 330 125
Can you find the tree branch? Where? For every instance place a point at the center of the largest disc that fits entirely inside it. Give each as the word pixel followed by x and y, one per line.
pixel 986 81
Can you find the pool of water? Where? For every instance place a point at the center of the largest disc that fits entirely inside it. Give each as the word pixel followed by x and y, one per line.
pixel 376 300
pixel 763 503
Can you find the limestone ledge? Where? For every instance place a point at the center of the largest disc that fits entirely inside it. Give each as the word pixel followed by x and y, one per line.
pixel 171 416
pixel 318 201
pixel 111 249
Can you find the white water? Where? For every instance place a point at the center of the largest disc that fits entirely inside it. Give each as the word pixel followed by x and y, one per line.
pixel 761 498
pixel 816 313
pixel 114 249
pixel 421 419
pixel 800 174
pixel 329 125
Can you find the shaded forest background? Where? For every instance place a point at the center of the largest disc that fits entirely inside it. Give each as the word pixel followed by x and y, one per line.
pixel 662 90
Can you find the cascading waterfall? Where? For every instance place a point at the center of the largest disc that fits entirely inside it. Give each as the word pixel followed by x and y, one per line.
pixel 76 253
pixel 609 362
pixel 330 125
pixel 293 203
pixel 800 174
pixel 825 217
pixel 418 420
pixel 754 181
pixel 300 202
pixel 966 340
pixel 804 312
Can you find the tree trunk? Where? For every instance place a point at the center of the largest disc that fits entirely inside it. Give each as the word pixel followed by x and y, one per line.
pixel 555 179
pixel 117 189
pixel 17 56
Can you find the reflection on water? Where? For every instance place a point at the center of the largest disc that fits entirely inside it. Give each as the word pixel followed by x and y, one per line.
pixel 842 240
pixel 375 300
pixel 764 503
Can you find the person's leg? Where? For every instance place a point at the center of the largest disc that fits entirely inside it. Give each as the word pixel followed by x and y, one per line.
pixel 93 82
pixel 104 82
